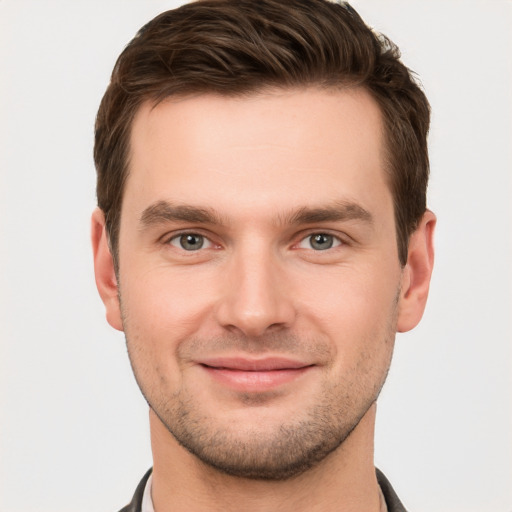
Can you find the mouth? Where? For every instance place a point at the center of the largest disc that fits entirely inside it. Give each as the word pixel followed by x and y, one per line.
pixel 254 375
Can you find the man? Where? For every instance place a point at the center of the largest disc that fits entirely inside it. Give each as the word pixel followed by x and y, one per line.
pixel 261 236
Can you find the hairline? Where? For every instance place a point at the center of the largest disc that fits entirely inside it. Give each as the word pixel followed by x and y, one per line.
pixel 348 84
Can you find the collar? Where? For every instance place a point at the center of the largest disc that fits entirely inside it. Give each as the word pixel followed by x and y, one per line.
pixel 142 501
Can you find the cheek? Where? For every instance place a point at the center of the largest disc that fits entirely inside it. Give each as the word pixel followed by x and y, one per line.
pixel 160 309
pixel 354 308
pixel 156 317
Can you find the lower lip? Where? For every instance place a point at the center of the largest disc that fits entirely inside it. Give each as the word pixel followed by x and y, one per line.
pixel 255 381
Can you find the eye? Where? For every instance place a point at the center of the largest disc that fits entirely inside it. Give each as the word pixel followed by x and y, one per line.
pixel 319 242
pixel 190 242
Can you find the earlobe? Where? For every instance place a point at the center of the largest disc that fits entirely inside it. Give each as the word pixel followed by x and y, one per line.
pixel 104 270
pixel 416 274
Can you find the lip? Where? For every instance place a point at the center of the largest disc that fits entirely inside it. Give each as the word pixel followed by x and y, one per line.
pixel 254 375
pixel 253 365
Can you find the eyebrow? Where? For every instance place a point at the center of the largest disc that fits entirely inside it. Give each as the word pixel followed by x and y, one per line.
pixel 164 211
pixel 338 211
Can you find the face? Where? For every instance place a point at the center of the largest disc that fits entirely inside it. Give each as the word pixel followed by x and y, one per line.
pixel 259 277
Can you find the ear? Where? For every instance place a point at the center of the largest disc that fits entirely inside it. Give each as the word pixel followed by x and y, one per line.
pixel 416 274
pixel 106 280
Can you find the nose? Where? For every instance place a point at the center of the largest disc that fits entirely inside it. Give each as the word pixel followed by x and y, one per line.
pixel 256 296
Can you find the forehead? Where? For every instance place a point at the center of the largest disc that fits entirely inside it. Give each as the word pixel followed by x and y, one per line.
pixel 287 146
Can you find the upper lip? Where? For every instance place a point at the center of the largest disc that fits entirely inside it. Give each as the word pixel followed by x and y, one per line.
pixel 253 365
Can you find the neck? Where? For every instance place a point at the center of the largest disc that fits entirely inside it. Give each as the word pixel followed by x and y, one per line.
pixel 344 480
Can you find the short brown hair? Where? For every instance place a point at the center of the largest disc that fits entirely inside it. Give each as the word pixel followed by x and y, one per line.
pixel 235 47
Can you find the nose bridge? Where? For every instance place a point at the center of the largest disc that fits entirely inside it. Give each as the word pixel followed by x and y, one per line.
pixel 255 297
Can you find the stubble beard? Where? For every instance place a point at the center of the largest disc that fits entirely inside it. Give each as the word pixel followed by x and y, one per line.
pixel 282 451
pixel 280 454
pixel 294 447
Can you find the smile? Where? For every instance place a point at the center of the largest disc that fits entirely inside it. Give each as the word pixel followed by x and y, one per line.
pixel 254 375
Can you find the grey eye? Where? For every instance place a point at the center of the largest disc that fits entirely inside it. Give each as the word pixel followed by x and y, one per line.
pixel 321 241
pixel 188 241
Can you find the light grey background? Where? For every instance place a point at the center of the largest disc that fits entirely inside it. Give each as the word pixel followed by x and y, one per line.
pixel 73 426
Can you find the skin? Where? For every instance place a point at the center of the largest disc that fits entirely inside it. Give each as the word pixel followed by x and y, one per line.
pixel 261 353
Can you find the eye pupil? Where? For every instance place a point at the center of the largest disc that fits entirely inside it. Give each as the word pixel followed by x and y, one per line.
pixel 191 242
pixel 321 241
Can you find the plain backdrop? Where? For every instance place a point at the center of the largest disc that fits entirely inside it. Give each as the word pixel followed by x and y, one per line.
pixel 73 425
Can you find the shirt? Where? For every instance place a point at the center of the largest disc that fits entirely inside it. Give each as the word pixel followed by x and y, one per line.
pixel 142 501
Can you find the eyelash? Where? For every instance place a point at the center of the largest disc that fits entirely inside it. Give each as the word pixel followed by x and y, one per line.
pixel 180 236
pixel 335 240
